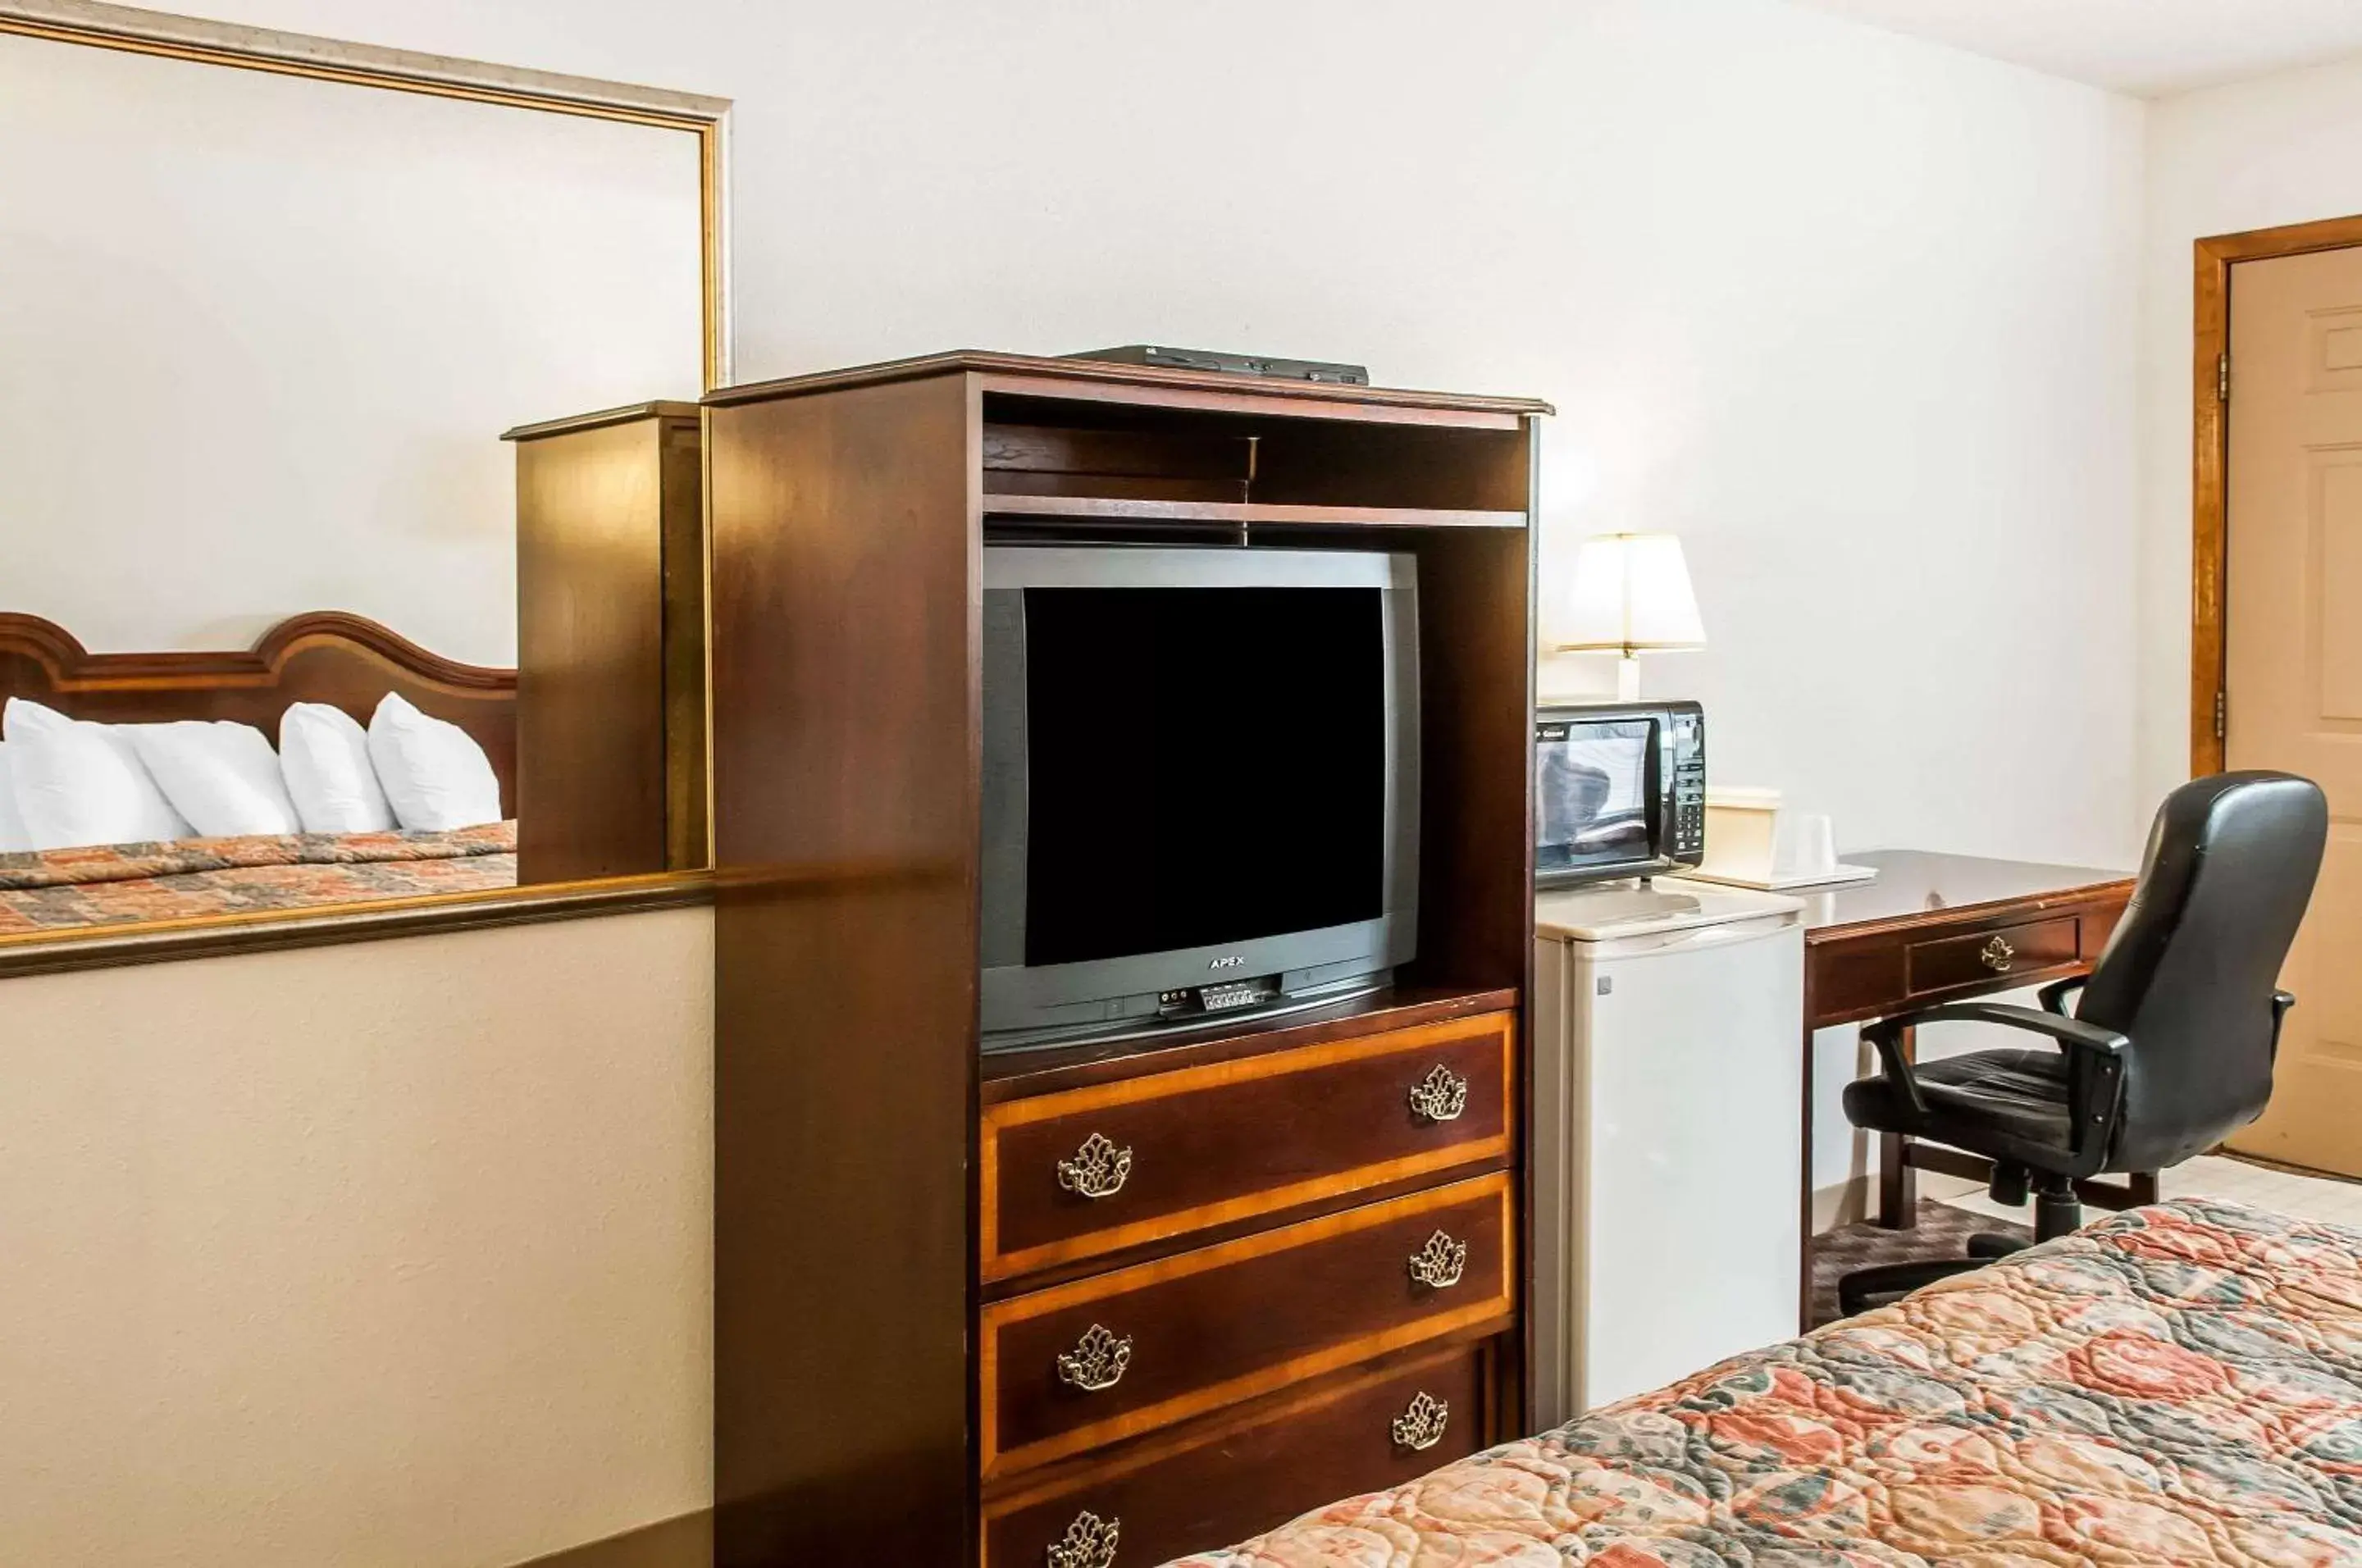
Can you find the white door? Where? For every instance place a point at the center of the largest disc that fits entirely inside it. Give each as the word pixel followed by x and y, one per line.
pixel 2293 586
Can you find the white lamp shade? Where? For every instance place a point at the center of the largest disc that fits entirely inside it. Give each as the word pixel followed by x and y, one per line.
pixel 1631 592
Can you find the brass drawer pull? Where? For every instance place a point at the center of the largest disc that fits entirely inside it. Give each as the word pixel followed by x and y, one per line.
pixel 1097 1362
pixel 1421 1427
pixel 1441 1096
pixel 1089 1543
pixel 1997 954
pixel 1097 1169
pixel 1439 1264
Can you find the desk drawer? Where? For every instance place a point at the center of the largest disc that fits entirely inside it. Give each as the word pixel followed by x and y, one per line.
pixel 1223 1480
pixel 1093 1170
pixel 1117 1355
pixel 1985 956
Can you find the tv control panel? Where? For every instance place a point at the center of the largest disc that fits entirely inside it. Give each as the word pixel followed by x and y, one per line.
pixel 1220 997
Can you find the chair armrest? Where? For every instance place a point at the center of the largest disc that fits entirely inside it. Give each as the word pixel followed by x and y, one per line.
pixel 1889 1042
pixel 2054 994
pixel 2072 1032
pixel 2095 1076
pixel 2281 1002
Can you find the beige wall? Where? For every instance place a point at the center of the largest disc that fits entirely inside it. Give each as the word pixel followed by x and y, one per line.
pixel 391 1254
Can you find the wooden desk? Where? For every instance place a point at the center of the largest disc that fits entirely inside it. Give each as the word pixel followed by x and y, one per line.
pixel 1938 928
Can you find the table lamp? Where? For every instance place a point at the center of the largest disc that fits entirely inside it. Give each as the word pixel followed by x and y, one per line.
pixel 1631 596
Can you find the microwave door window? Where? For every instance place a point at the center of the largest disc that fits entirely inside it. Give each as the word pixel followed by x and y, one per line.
pixel 1591 800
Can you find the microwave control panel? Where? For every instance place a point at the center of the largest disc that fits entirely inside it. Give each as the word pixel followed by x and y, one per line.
pixel 1687 830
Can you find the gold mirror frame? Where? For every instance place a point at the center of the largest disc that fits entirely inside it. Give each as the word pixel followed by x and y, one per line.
pixel 366 65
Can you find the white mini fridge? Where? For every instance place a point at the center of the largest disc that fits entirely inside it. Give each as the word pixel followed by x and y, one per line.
pixel 1668 1129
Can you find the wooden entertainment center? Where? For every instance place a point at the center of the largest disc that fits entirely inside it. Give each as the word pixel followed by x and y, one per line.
pixel 1089 1305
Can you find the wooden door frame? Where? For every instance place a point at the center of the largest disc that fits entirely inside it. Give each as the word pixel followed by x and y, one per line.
pixel 2210 445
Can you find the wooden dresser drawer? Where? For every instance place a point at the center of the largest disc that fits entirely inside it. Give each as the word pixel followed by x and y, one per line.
pixel 1092 1170
pixel 1222 1479
pixel 1979 959
pixel 1119 1353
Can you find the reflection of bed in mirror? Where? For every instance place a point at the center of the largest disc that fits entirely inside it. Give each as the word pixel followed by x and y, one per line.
pixel 286 396
pixel 344 661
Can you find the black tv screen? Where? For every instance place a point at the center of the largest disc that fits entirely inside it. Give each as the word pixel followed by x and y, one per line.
pixel 1200 771
pixel 1206 765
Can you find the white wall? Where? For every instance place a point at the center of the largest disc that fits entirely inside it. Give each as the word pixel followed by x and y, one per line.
pixel 262 335
pixel 2279 150
pixel 394 1255
pixel 1851 312
pixel 1848 312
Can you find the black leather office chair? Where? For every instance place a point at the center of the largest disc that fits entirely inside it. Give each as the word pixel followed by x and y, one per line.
pixel 2170 1046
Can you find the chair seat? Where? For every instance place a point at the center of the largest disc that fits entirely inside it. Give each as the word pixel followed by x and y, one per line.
pixel 2009 1104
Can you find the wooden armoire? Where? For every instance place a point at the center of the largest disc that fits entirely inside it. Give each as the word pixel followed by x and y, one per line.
pixel 1091 1305
pixel 611 643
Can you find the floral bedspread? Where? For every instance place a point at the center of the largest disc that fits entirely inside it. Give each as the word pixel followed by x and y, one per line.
pixel 2177 1384
pixel 109 884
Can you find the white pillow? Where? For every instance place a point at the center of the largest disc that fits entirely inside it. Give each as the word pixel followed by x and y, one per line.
pixel 323 754
pixel 14 839
pixel 434 775
pixel 222 776
pixel 80 783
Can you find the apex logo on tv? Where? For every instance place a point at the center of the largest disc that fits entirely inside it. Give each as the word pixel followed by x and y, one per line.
pixel 1232 962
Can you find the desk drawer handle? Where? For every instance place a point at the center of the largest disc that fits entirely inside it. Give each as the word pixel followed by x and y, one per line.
pixel 1097 1362
pixel 1997 954
pixel 1089 1543
pixel 1097 1169
pixel 1441 1096
pixel 1440 1263
pixel 1421 1427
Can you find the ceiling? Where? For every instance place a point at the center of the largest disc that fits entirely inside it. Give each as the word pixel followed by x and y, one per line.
pixel 2151 49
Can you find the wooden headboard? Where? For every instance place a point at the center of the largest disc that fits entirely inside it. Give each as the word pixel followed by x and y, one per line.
pixel 325 657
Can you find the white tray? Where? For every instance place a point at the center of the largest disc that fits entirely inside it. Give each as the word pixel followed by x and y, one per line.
pixel 1836 876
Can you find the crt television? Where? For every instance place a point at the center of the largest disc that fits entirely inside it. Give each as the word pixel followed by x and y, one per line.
pixel 1201 783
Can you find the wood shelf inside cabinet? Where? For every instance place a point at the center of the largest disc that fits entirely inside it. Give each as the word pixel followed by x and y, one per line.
pixel 1238 514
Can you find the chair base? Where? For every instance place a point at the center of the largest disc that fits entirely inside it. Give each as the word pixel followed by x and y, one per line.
pixel 1866 1288
pixel 2056 1213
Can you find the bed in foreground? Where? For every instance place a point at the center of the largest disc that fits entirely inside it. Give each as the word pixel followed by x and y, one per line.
pixel 2176 1385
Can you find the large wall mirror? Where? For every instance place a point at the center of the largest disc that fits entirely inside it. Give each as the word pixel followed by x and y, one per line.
pixel 278 655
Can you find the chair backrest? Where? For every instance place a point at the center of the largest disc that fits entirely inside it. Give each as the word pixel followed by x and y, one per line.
pixel 2190 973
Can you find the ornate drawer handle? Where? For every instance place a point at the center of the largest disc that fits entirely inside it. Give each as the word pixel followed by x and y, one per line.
pixel 1097 1362
pixel 1996 955
pixel 1097 1169
pixel 1089 1543
pixel 1421 1427
pixel 1439 1264
pixel 1441 1096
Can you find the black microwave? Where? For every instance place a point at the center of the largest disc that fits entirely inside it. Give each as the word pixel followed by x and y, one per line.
pixel 1619 791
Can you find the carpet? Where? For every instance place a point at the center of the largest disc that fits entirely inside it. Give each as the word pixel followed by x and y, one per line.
pixel 1943 1232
